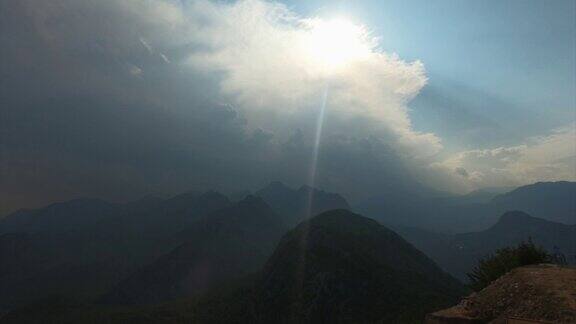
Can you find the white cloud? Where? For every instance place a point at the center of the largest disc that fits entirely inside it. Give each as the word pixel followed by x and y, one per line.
pixel 543 158
pixel 266 56
pixel 269 67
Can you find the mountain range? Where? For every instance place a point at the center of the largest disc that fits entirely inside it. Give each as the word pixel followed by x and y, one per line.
pixel 85 262
pixel 459 253
pixel 554 201
pixel 84 249
pixel 296 205
pixel 280 255
pixel 335 267
pixel 221 247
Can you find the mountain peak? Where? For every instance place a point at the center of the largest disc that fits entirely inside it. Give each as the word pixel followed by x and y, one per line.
pixel 515 216
pixel 554 201
pixel 340 263
pixel 540 189
pixel 211 194
pixel 340 217
pixel 275 190
pixel 252 200
pixel 295 205
pixel 253 203
pixel 250 211
pixel 514 220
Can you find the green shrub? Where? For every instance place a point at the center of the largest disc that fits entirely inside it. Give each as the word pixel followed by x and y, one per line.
pixel 504 260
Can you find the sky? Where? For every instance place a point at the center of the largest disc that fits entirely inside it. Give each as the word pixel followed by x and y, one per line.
pixel 121 99
pixel 517 56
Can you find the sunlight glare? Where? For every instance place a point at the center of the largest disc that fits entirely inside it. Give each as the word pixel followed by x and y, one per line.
pixel 334 43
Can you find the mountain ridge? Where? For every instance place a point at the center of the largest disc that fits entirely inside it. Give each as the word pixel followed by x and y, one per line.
pixel 458 253
pixel 219 248
pixel 340 267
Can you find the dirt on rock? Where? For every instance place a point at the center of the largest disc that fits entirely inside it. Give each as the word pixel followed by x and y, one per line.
pixel 541 293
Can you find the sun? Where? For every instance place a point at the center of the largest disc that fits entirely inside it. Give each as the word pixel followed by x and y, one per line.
pixel 337 42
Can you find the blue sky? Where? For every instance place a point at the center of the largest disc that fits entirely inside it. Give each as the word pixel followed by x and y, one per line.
pixel 509 63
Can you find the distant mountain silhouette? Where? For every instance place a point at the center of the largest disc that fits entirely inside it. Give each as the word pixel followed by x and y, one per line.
pixel 555 201
pixel 480 196
pixel 459 253
pixel 59 217
pixel 86 261
pixel 41 265
pixel 162 219
pixel 295 205
pixel 337 267
pixel 221 247
pixel 338 263
pixel 438 214
pixel 340 267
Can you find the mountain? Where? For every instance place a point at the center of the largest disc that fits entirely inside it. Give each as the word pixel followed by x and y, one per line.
pixel 337 267
pixel 340 267
pixel 295 205
pixel 480 196
pixel 338 263
pixel 153 220
pixel 515 226
pixel 223 246
pixel 86 262
pixel 554 201
pixel 438 214
pixel 59 217
pixel 72 265
pixel 459 253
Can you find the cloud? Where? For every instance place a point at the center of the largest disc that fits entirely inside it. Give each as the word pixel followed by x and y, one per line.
pixel 542 158
pixel 263 52
pixel 120 98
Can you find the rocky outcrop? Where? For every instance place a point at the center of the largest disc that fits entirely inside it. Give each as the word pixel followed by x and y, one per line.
pixel 531 294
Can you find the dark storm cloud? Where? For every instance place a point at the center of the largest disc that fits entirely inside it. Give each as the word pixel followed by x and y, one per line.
pixel 96 102
pixel 78 120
